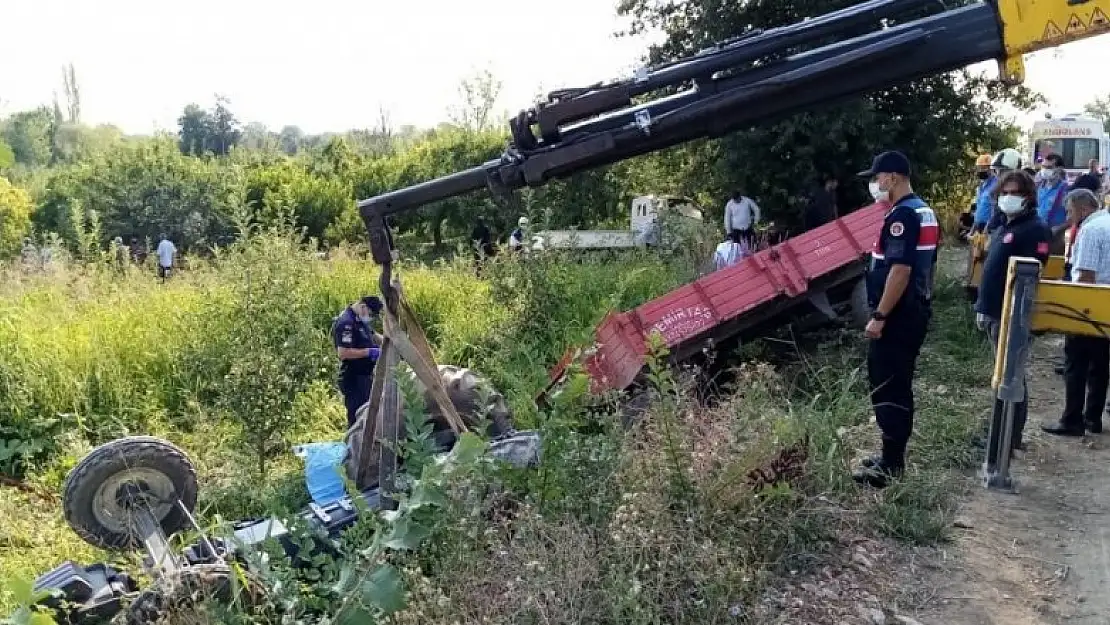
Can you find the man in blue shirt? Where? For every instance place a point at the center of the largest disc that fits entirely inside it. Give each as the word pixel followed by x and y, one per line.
pixel 358 347
pixel 984 205
pixel 1052 187
pixel 899 289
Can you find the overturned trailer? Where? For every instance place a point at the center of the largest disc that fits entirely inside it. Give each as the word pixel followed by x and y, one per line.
pixel 818 269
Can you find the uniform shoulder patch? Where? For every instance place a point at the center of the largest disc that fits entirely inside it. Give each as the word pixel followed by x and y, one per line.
pixel 897 228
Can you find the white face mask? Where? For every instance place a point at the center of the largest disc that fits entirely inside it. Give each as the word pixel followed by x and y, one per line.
pixel 877 193
pixel 1011 204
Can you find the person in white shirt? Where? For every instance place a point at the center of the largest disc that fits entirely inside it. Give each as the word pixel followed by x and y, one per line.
pixel 730 252
pixel 519 236
pixel 1086 358
pixel 166 252
pixel 741 215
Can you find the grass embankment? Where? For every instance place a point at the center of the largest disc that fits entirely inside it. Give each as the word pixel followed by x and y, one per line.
pixel 681 520
pixel 91 354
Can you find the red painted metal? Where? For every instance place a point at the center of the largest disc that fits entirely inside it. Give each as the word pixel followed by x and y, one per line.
pixel 692 310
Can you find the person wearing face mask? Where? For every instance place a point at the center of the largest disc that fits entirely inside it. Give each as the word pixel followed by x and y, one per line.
pixel 899 288
pixel 358 347
pixel 1051 191
pixel 1022 234
pixel 1005 161
pixel 984 206
pixel 1087 358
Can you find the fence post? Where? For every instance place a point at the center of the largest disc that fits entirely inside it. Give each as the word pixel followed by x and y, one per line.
pixel 1009 369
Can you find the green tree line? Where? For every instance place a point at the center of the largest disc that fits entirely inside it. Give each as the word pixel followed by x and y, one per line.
pixel 189 184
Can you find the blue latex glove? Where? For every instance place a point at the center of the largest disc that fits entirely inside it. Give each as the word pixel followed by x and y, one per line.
pixel 375 352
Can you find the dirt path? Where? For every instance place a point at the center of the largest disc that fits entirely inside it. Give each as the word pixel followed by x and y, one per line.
pixel 1042 556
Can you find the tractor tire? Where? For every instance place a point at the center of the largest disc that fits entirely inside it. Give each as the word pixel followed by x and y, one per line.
pixel 860 309
pixel 149 468
pixel 182 593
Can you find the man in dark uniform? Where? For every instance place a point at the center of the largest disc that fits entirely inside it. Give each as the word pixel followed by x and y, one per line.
pixel 899 288
pixel 358 347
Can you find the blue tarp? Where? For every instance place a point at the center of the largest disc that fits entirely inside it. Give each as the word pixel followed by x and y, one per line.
pixel 323 470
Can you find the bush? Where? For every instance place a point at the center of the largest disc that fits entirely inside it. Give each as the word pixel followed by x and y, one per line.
pixel 15 218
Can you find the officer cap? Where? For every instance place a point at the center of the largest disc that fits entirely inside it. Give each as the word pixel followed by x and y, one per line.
pixel 892 162
pixel 373 303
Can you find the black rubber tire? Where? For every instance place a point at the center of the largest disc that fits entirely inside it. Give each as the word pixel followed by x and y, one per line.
pixel 860 309
pixel 170 598
pixel 109 459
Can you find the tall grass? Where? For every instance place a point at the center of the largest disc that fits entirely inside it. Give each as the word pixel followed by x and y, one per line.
pixel 684 519
pixel 96 353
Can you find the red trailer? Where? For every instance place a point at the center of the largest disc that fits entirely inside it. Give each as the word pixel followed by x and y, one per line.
pixel 756 293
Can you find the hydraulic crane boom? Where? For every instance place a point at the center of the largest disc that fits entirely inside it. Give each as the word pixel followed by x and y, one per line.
pixel 746 80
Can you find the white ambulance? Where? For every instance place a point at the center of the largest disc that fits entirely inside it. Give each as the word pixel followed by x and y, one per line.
pixel 1077 138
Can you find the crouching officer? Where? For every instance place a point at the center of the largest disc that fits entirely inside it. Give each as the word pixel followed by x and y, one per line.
pixel 358 347
pixel 1022 234
pixel 899 288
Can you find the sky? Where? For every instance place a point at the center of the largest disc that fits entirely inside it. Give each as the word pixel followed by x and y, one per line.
pixel 330 65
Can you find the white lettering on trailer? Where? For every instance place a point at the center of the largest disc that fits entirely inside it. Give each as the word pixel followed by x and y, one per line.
pixel 683 323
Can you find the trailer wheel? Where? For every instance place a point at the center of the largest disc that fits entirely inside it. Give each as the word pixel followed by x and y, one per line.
pixel 860 309
pixel 108 484
pixel 177 596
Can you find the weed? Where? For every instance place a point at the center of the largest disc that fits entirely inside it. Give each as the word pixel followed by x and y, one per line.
pixel 683 518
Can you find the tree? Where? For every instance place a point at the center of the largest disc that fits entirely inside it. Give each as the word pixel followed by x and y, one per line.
pixel 15 217
pixel 30 135
pixel 143 188
pixel 72 93
pixel 7 157
pixel 939 121
pixel 224 129
pixel 479 95
pixel 193 130
pixel 291 138
pixel 1100 109
pixel 257 137
pixel 215 131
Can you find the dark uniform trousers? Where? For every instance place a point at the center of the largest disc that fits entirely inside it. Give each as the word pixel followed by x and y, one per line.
pixel 1086 376
pixel 891 361
pixel 356 392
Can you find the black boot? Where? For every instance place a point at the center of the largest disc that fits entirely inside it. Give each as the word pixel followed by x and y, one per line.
pixel 1063 429
pixel 877 476
pixel 878 471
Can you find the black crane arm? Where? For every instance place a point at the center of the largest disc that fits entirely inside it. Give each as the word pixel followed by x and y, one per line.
pixel 743 81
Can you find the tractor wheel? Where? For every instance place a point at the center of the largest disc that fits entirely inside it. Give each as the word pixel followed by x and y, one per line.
pixel 860 309
pixel 181 594
pixel 104 489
